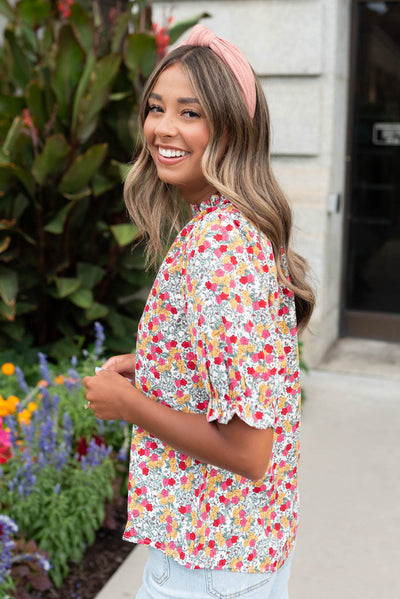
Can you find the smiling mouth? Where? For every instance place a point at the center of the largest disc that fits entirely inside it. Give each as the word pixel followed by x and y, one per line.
pixel 172 153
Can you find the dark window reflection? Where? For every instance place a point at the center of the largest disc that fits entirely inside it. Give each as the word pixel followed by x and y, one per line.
pixel 373 277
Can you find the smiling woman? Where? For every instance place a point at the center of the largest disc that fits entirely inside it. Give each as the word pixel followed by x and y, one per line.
pixel 215 404
pixel 177 133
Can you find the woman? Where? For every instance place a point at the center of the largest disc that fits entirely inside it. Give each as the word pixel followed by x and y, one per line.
pixel 216 398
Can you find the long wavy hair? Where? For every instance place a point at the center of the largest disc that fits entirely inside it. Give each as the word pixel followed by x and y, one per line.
pixel 241 170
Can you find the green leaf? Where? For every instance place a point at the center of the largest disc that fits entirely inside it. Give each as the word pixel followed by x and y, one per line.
pixel 8 285
pixel 66 285
pixel 66 74
pixel 89 274
pixel 124 233
pixel 140 53
pixel 123 168
pixel 101 184
pixel 34 12
pixel 96 96
pixel 12 135
pixel 79 195
pixel 96 311
pixel 21 67
pixel 81 90
pixel 4 158
pixel 35 103
pixel 119 31
pixel 80 173
pixel 53 159
pixel 20 204
pixel 177 29
pixel 6 311
pixel 82 26
pixel 82 298
pixel 56 225
pixel 15 330
pixel 10 106
pixel 6 10
pixel 11 171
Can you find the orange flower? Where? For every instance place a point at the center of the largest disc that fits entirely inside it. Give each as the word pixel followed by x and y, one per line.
pixel 24 417
pixel 12 403
pixel 3 408
pixel 8 368
pixel 59 380
pixel 43 383
pixel 32 406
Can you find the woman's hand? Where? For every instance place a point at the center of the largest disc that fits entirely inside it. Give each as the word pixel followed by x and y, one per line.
pixel 107 394
pixel 123 364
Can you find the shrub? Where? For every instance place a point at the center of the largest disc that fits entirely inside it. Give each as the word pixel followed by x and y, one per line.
pixel 70 79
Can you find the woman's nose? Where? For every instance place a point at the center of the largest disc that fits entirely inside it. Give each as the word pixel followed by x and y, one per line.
pixel 166 126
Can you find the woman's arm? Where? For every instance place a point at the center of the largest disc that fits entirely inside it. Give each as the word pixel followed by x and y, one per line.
pixel 235 446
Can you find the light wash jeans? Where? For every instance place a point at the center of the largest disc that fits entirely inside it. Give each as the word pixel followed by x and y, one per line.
pixel 163 578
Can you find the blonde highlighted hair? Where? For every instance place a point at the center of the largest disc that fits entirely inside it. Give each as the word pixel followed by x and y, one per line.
pixel 242 172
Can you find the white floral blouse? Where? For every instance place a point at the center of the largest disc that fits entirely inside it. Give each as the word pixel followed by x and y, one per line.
pixel 218 336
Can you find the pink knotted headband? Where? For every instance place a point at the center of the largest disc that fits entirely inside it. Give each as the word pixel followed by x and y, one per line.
pixel 233 58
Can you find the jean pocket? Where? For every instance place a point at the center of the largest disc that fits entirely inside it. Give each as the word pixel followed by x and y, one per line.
pixel 159 566
pixel 224 584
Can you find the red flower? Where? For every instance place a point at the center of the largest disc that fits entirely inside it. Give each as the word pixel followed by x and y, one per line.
pixel 64 6
pixel 83 445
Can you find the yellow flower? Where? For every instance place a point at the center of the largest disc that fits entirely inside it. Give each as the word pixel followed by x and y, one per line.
pixel 8 368
pixel 32 406
pixel 24 417
pixel 12 403
pixel 3 408
pixel 59 380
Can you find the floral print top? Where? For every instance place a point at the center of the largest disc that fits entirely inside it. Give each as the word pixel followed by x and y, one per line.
pixel 218 336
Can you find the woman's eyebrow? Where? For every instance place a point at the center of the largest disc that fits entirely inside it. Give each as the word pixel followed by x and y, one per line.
pixel 158 97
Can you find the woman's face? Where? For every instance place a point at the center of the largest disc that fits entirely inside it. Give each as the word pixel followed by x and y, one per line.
pixel 177 133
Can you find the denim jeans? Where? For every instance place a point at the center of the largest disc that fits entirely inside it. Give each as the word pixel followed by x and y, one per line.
pixel 163 578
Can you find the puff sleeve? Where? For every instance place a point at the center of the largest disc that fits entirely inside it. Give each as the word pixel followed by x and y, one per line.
pixel 231 301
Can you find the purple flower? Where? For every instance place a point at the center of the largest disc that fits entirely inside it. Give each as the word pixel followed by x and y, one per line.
pixel 21 380
pixel 8 528
pixel 24 480
pixel 99 342
pixel 44 367
pixel 96 454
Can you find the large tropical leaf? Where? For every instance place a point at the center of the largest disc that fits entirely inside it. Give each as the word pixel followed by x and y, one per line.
pixel 53 159
pixel 80 173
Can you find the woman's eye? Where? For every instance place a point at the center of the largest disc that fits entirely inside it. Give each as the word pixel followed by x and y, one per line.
pixel 191 114
pixel 154 108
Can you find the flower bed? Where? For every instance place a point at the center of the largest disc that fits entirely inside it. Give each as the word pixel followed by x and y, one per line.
pixel 59 464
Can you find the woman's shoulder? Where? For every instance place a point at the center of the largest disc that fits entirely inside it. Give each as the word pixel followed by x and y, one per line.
pixel 222 221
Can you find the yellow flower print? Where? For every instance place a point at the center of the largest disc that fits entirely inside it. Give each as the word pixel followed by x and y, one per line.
pixel 8 368
pixel 287 426
pixel 283 327
pixel 219 537
pixel 285 522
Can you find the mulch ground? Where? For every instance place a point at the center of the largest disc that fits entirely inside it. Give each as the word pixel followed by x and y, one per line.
pixel 100 561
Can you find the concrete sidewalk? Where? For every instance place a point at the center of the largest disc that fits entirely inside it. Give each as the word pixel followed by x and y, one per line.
pixel 348 541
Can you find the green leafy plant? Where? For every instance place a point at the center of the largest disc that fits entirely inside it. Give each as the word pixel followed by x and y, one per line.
pixel 70 78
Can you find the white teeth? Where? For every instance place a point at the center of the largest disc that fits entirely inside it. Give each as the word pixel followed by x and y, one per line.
pixel 171 153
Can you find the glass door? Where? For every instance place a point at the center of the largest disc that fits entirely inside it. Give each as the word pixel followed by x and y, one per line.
pixel 372 282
